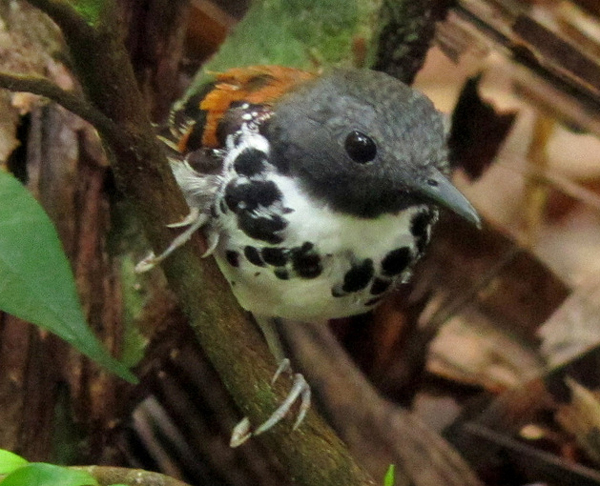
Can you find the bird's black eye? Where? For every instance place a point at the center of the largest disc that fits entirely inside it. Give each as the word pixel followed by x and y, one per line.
pixel 360 147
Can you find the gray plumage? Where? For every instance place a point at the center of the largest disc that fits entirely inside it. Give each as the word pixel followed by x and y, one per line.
pixel 311 124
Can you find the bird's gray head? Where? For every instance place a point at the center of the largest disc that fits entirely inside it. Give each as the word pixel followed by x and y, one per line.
pixel 365 144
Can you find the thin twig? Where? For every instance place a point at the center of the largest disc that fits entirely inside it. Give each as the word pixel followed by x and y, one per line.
pixel 75 104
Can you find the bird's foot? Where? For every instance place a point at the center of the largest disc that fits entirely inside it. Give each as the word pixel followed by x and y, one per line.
pixel 191 218
pixel 194 220
pixel 300 390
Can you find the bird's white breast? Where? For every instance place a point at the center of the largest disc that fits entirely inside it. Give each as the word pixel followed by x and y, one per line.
pixel 342 243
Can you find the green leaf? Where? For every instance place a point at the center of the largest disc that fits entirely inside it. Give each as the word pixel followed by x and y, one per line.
pixel 305 34
pixel 389 478
pixel 9 462
pixel 42 474
pixel 90 10
pixel 36 282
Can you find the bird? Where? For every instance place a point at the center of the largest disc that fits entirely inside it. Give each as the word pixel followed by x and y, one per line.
pixel 317 191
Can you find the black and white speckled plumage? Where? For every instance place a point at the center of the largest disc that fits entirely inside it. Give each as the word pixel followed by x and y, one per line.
pixel 301 230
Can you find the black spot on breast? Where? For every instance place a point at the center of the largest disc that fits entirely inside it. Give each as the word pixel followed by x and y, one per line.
pixel 274 256
pixel 282 274
pixel 236 195
pixel 306 262
pixel 267 192
pixel 421 244
pixel 396 261
pixel 380 286
pixel 233 258
pixel 262 228
pixel 418 227
pixel 253 256
pixel 359 276
pixel 419 224
pixel 308 266
pixel 248 196
pixel 250 162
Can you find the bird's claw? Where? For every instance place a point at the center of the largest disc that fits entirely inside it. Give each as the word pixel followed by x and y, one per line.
pixel 284 367
pixel 300 389
pixel 194 220
pixel 147 263
pixel 241 433
pixel 191 218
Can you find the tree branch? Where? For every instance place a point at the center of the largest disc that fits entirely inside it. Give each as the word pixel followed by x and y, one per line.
pixel 120 475
pixel 44 87
pixel 65 15
pixel 407 30
pixel 313 454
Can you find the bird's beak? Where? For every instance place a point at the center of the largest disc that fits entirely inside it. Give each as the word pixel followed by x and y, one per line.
pixel 441 191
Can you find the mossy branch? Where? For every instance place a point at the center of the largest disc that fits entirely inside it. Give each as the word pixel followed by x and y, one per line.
pixel 119 475
pixel 313 454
